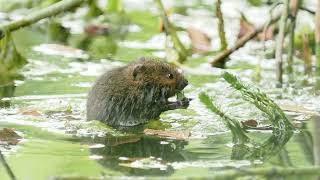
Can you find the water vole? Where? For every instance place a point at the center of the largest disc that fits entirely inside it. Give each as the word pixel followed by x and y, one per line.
pixel 133 94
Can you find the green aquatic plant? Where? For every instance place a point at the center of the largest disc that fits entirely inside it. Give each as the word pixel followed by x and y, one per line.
pixel 238 134
pixel 282 129
pixel 274 113
pixel 10 60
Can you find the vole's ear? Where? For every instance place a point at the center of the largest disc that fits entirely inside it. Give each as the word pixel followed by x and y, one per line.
pixel 137 71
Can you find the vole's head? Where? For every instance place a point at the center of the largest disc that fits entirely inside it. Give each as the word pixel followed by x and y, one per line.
pixel 159 75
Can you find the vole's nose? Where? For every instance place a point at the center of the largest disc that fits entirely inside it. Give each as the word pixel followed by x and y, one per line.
pixel 186 83
pixel 183 84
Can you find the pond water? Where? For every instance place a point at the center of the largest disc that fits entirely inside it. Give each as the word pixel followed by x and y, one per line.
pixel 48 110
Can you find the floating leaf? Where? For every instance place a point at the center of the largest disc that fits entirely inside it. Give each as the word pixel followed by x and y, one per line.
pixel 124 140
pixel 9 136
pixel 168 134
pixel 250 123
pixel 246 27
pixel 200 41
pixel 30 112
pixel 95 30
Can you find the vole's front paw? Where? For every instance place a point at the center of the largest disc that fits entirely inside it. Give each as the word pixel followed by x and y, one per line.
pixel 184 103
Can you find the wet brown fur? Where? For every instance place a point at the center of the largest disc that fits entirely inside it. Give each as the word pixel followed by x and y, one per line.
pixel 135 93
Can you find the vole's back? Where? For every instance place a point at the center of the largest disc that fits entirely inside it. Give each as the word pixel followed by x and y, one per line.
pixel 100 101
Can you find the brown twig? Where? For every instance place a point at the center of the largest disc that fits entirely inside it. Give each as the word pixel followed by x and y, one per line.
pixel 221 57
pixel 300 7
pixel 317 34
pixel 222 36
pixel 294 7
pixel 171 31
pixel 306 54
pixel 308 10
pixel 280 41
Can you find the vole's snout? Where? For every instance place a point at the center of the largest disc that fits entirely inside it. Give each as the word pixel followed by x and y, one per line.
pixel 183 84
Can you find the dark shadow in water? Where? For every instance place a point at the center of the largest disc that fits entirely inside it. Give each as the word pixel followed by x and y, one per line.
pixel 137 147
pixel 131 129
pixel 6 91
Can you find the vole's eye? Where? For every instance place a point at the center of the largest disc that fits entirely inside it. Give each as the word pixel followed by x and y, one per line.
pixel 170 76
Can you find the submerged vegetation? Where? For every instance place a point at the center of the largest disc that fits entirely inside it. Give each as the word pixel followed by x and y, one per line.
pixel 252 101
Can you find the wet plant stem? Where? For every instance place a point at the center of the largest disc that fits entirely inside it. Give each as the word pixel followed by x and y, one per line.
pixel 280 42
pixel 306 54
pixel 171 31
pixel 294 7
pixel 221 58
pixel 317 34
pixel 222 35
pixel 34 17
pixel 7 167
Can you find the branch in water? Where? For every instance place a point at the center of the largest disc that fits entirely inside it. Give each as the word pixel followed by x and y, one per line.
pixel 52 10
